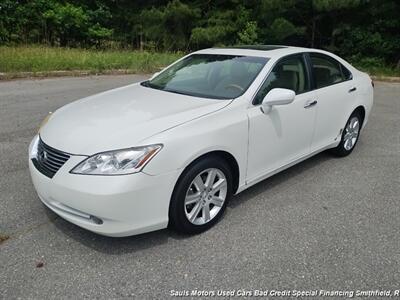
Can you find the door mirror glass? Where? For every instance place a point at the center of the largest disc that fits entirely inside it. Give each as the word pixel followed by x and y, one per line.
pixel 277 96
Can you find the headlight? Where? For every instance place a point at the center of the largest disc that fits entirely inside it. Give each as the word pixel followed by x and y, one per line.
pixel 118 162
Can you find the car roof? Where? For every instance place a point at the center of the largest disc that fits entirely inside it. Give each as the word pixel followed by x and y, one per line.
pixel 270 51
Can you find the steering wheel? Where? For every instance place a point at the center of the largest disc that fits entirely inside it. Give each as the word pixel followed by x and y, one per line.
pixel 236 86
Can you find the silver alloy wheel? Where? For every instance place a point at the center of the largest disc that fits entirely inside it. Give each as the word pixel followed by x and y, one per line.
pixel 205 196
pixel 351 133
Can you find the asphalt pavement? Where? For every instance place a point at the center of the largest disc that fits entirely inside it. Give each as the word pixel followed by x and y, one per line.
pixel 327 223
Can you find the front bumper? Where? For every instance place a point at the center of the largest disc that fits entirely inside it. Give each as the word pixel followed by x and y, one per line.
pixel 108 205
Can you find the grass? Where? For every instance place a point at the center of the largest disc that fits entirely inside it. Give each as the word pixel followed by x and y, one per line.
pixel 379 71
pixel 42 61
pixel 47 59
pixel 374 66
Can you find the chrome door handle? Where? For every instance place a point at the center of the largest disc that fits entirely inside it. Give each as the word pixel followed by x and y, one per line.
pixel 309 104
pixel 353 89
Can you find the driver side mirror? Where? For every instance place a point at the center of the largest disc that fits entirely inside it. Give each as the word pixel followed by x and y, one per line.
pixel 277 96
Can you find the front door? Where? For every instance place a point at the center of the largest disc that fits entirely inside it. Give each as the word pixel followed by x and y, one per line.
pixel 285 133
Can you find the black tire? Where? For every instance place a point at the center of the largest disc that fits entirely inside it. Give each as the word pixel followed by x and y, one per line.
pixel 340 150
pixel 177 216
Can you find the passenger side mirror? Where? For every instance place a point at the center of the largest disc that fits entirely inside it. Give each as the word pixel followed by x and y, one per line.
pixel 277 96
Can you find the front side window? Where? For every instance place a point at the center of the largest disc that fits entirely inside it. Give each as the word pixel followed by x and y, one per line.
pixel 346 73
pixel 209 76
pixel 327 71
pixel 289 73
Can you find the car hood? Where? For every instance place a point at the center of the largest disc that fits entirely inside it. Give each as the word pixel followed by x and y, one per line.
pixel 121 118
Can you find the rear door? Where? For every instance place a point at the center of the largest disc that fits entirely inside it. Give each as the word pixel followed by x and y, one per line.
pixel 334 90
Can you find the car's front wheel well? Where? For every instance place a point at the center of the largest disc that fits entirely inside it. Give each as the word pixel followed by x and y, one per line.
pixel 229 159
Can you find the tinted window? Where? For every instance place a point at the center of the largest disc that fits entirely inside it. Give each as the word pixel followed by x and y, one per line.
pixel 210 76
pixel 327 71
pixel 289 73
pixel 346 73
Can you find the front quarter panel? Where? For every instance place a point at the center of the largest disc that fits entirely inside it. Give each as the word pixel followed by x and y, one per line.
pixel 224 130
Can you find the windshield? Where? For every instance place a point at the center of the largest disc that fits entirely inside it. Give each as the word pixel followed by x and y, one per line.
pixel 209 76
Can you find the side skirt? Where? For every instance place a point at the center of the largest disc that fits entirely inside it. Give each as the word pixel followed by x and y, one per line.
pixel 284 167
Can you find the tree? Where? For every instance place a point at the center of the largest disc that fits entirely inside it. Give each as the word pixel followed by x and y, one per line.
pixel 356 29
pixel 169 26
pixel 249 34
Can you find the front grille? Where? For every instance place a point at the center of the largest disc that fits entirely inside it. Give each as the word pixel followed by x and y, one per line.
pixel 49 160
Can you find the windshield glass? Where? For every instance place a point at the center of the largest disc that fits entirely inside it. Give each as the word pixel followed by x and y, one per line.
pixel 209 76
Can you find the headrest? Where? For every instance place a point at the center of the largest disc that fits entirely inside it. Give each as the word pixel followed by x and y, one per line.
pixel 288 80
pixel 322 76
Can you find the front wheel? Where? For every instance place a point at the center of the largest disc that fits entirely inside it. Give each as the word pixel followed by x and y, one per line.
pixel 201 195
pixel 350 135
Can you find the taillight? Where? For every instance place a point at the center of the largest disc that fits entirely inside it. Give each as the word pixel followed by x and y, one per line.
pixel 372 83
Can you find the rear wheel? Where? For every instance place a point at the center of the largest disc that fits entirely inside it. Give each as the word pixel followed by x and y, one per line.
pixel 201 195
pixel 350 135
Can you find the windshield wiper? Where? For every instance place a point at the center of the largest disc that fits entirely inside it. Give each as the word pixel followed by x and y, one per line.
pixel 145 83
pixel 150 85
pixel 177 92
pixel 197 95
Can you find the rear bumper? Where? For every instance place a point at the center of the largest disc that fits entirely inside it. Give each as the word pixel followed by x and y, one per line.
pixel 108 205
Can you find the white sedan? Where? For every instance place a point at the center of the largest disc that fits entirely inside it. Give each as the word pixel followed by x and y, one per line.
pixel 173 150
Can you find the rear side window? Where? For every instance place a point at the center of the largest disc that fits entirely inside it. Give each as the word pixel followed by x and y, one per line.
pixel 289 73
pixel 327 71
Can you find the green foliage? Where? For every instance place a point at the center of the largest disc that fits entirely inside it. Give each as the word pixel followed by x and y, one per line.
pixel 351 28
pixel 43 59
pixel 281 29
pixel 96 32
pixel 329 5
pixel 219 28
pixel 152 25
pixel 207 36
pixel 52 22
pixel 179 19
pixel 69 22
pixel 248 35
pixel 169 27
pixel 374 66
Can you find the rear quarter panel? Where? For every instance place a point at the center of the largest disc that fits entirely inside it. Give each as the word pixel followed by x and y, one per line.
pixel 365 97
